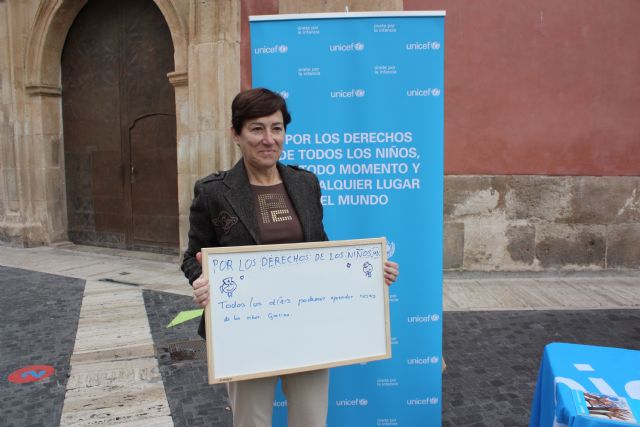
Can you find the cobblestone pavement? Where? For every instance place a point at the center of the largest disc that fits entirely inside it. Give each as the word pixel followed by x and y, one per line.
pixel 193 402
pixel 39 317
pixel 492 359
pixel 492 356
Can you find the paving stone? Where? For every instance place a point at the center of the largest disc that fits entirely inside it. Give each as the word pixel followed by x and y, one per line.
pixel 493 357
pixel 193 402
pixel 39 319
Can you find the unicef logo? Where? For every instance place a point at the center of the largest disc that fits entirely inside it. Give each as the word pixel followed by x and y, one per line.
pixel 423 45
pixel 284 94
pixel 347 47
pixel 423 92
pixel 353 93
pixel 435 317
pixel 434 359
pixel 424 401
pixel 266 50
pixel 358 401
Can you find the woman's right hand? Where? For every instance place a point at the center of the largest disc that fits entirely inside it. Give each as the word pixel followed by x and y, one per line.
pixel 201 287
pixel 201 291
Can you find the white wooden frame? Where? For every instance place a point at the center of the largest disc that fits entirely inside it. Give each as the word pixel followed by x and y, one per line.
pixel 241 339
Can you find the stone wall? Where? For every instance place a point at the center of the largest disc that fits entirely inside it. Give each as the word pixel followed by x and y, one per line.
pixel 25 152
pixel 530 222
pixel 206 40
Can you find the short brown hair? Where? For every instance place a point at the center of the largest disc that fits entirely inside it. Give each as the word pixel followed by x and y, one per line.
pixel 254 103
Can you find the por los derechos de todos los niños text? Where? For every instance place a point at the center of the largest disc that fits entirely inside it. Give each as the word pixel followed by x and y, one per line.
pixel 342 162
pixel 272 261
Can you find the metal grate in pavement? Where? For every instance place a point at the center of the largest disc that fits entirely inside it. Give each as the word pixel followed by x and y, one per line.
pixel 187 350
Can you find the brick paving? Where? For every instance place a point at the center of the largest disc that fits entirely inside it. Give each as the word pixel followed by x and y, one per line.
pixel 492 357
pixel 193 402
pixel 39 314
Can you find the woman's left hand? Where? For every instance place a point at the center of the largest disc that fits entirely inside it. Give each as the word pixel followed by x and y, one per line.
pixel 391 272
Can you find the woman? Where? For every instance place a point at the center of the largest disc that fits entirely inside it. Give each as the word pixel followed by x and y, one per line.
pixel 261 201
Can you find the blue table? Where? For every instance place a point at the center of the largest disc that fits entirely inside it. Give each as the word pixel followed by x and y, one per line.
pixel 610 377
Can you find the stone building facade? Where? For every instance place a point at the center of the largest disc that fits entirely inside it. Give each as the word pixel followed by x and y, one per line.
pixel 542 137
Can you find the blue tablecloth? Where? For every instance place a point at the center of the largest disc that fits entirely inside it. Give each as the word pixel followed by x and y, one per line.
pixel 610 377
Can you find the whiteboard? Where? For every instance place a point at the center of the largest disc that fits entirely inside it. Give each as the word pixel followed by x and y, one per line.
pixel 279 309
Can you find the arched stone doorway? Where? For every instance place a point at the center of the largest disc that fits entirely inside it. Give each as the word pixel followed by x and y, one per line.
pixel 119 128
pixel 44 108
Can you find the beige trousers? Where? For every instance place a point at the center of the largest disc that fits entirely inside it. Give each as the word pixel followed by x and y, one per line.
pixel 307 399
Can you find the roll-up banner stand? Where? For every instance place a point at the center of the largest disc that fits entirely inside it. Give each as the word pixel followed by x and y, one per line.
pixel 366 94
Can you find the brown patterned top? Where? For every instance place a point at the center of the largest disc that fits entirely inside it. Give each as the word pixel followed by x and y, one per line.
pixel 277 219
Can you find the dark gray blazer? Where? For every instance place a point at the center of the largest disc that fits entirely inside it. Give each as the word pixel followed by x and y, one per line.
pixel 223 213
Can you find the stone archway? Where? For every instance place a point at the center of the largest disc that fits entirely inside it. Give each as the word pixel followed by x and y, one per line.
pixel 52 23
pixel 43 109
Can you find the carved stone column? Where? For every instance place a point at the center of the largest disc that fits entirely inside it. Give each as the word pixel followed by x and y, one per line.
pixel 214 79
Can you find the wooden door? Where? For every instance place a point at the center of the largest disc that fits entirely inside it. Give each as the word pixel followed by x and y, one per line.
pixel 119 127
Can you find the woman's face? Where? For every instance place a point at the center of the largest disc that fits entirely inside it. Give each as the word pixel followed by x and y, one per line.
pixel 261 141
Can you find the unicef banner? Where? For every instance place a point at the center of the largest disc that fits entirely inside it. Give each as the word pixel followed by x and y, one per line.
pixel 365 91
